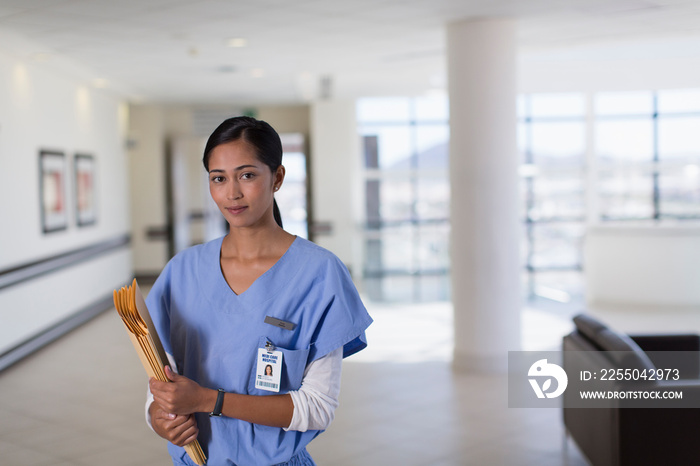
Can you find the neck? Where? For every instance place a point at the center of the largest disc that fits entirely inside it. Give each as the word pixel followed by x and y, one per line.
pixel 254 243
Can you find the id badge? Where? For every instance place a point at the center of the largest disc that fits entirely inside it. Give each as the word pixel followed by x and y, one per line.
pixel 269 371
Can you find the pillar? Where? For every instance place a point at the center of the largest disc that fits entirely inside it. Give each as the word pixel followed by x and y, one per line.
pixel 335 171
pixel 485 228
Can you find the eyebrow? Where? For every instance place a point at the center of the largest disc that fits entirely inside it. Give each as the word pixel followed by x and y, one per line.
pixel 219 170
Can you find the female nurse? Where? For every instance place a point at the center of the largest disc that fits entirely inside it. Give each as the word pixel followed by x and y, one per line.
pixel 258 296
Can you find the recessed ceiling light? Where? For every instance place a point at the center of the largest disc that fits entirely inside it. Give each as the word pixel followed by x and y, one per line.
pixel 237 42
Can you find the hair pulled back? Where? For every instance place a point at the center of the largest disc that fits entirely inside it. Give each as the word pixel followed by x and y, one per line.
pixel 259 134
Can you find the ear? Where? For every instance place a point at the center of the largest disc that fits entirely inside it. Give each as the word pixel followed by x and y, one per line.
pixel 278 177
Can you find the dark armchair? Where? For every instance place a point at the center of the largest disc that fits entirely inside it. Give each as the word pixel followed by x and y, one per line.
pixel 617 435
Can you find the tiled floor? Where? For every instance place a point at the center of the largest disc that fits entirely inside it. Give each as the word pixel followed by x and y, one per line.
pixel 80 402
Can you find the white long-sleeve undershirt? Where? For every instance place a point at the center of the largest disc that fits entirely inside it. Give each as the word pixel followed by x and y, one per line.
pixel 315 401
pixel 317 398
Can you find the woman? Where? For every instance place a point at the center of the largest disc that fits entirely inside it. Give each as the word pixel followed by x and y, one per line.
pixel 258 296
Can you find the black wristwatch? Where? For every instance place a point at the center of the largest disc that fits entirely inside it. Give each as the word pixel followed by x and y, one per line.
pixel 219 404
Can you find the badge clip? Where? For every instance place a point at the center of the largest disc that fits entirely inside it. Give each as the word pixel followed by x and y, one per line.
pixel 269 347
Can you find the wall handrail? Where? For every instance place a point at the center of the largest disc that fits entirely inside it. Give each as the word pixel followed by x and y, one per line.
pixel 31 270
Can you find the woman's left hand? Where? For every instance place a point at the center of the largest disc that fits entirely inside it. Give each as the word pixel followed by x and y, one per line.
pixel 181 396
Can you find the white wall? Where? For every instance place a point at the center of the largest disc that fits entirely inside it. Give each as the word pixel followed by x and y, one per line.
pixel 286 119
pixel 42 107
pixel 337 190
pixel 147 186
pixel 643 266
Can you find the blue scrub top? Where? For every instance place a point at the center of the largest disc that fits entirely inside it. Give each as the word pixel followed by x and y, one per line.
pixel 214 335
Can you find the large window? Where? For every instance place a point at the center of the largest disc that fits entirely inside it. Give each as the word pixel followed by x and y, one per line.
pixel 585 159
pixel 407 198
pixel 552 145
pixel 648 154
pixel 607 157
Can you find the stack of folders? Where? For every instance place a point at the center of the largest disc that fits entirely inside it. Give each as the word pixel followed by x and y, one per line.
pixel 133 311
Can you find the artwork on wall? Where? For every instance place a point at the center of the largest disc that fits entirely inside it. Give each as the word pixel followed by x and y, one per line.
pixel 54 214
pixel 86 213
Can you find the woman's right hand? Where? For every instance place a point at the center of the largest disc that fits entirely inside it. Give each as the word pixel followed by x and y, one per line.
pixel 178 429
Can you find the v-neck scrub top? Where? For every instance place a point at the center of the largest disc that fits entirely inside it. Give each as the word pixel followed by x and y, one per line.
pixel 214 335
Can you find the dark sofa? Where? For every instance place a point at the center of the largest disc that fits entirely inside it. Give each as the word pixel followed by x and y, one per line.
pixel 618 435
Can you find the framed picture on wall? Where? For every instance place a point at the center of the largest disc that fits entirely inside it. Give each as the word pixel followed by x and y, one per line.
pixel 52 185
pixel 84 165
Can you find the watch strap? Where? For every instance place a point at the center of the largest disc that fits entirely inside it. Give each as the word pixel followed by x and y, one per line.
pixel 219 403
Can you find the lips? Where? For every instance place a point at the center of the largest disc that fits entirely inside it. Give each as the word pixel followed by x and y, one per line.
pixel 235 210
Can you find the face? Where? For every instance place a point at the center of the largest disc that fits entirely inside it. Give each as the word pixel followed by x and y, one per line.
pixel 241 185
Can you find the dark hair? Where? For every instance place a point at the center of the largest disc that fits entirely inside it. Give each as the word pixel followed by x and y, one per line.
pixel 259 134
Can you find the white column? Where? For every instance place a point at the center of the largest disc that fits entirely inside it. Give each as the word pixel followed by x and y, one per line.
pixel 486 231
pixel 337 190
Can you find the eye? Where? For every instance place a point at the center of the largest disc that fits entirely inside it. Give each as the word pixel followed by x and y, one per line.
pixel 217 179
pixel 247 176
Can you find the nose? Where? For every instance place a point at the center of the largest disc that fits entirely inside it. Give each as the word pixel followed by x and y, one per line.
pixel 234 191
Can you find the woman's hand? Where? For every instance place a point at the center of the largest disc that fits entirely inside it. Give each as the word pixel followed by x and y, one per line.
pixel 178 429
pixel 181 396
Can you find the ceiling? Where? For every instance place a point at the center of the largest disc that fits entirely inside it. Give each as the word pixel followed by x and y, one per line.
pixel 299 50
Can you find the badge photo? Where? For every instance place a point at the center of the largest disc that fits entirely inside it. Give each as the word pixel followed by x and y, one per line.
pixel 269 369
